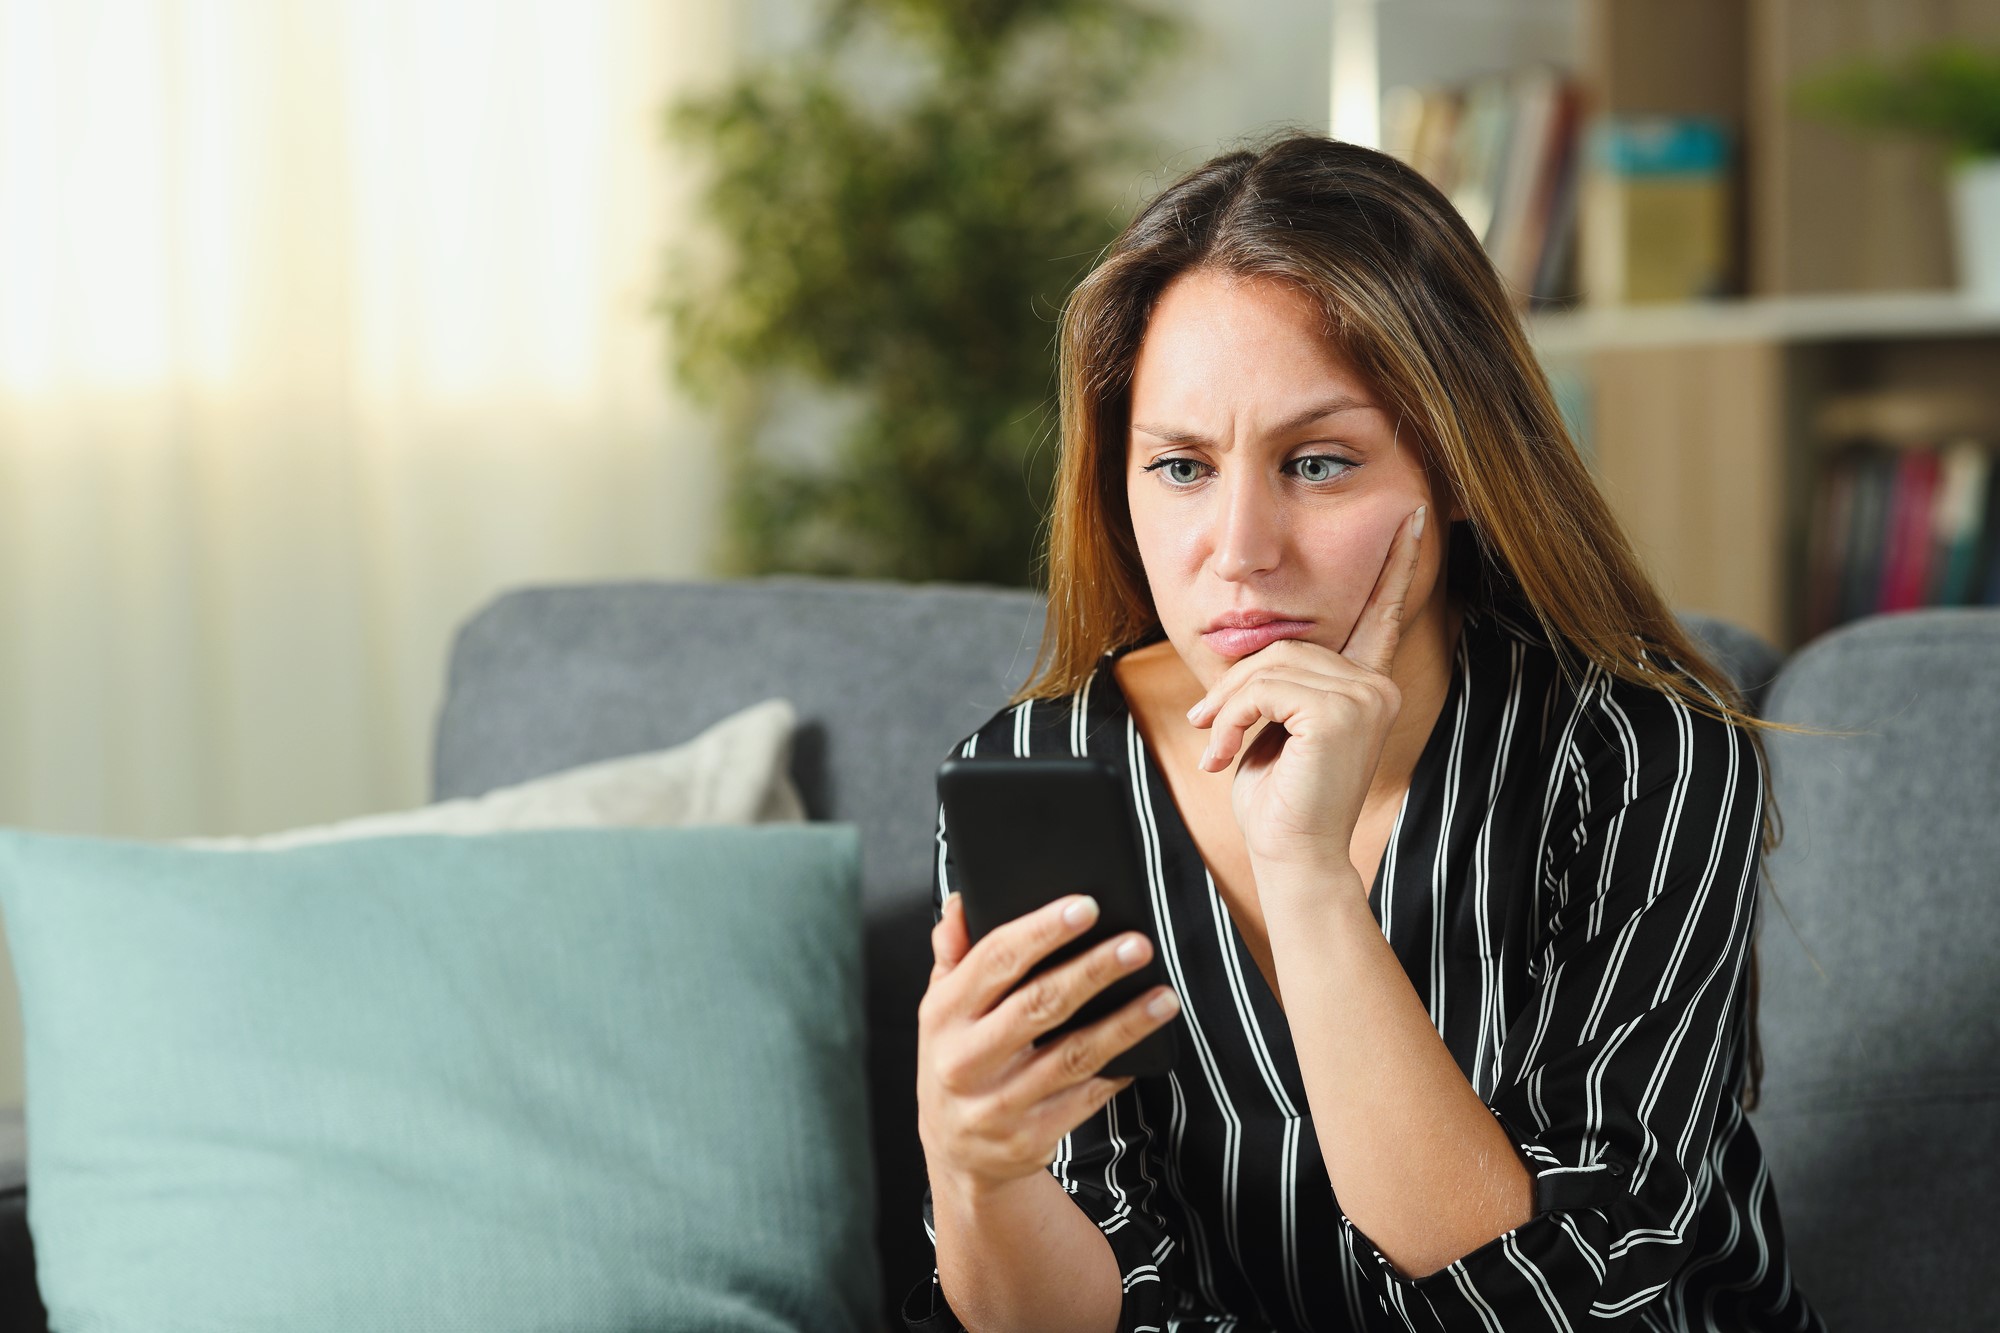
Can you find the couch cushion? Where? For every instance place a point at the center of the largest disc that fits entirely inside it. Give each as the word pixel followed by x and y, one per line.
pixel 581 1079
pixel 1881 1114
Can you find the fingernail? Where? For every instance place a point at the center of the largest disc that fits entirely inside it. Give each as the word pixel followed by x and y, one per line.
pixel 1128 952
pixel 1080 911
pixel 1163 1004
pixel 948 897
pixel 1417 527
pixel 1196 709
pixel 1207 756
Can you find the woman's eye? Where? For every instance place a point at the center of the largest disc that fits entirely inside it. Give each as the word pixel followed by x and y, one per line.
pixel 1320 467
pixel 1311 468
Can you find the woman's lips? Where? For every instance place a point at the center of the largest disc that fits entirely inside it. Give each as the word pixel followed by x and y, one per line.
pixel 1243 642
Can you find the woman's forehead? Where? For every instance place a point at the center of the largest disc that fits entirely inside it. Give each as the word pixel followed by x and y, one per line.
pixel 1226 338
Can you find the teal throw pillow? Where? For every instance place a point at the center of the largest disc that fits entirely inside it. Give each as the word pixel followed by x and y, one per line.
pixel 573 1079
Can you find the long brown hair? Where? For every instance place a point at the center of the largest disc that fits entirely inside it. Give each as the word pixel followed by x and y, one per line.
pixel 1414 304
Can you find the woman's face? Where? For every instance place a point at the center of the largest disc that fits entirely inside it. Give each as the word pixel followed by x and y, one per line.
pixel 1262 477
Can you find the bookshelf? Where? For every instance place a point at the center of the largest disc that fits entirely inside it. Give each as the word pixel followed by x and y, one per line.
pixel 1708 426
pixel 1707 421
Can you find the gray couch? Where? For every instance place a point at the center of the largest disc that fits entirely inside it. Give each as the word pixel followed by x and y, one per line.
pixel 1880 1097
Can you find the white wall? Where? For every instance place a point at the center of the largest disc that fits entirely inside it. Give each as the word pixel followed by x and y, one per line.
pixel 1423 42
pixel 1250 69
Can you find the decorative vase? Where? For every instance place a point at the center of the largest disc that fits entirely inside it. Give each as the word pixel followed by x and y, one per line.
pixel 1975 208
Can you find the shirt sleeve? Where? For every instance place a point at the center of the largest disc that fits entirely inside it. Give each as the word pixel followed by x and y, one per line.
pixel 1612 1075
pixel 1104 1164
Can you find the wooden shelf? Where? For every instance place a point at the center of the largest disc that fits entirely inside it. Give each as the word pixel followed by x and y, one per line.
pixel 1702 420
pixel 1830 317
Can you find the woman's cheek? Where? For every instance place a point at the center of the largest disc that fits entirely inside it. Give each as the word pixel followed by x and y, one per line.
pixel 1352 559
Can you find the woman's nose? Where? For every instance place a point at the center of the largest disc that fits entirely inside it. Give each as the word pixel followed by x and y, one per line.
pixel 1248 533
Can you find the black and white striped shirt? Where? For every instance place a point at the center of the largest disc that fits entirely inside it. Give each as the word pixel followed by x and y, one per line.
pixel 1570 885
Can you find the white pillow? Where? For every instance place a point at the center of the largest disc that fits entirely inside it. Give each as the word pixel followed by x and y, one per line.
pixel 736 772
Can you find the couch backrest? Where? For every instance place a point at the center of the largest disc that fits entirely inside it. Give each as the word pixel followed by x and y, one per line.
pixel 1881 1112
pixel 885 677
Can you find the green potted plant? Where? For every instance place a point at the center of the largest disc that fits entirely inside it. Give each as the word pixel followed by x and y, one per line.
pixel 902 209
pixel 1948 91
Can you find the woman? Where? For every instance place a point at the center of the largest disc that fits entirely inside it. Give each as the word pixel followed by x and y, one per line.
pixel 1452 833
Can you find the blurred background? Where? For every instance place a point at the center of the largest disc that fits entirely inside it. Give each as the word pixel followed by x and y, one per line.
pixel 322 322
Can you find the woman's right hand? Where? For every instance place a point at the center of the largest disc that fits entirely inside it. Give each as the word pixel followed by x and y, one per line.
pixel 991 1107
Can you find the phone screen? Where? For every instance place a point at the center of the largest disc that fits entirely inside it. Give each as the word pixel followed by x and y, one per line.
pixel 1024 832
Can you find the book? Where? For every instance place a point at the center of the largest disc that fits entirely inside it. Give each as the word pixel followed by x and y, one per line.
pixel 1895 527
pixel 1504 149
pixel 1895 415
pixel 1555 272
pixel 1861 578
pixel 1828 548
pixel 1656 209
pixel 1435 152
pixel 1908 531
pixel 1895 521
pixel 1960 515
pixel 1986 563
pixel 1515 236
pixel 1480 147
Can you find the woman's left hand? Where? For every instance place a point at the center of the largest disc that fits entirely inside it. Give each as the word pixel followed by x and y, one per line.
pixel 1299 790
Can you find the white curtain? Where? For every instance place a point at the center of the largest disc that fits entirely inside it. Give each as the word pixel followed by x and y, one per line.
pixel 321 322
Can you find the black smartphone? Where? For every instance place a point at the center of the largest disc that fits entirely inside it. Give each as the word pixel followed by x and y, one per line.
pixel 1025 832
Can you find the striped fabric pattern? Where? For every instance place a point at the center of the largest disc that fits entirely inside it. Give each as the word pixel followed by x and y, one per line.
pixel 1570 885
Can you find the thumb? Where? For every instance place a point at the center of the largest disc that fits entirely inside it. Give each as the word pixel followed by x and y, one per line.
pixel 949 941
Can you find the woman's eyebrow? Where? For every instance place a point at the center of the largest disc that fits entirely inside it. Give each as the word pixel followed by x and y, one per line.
pixel 1311 414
